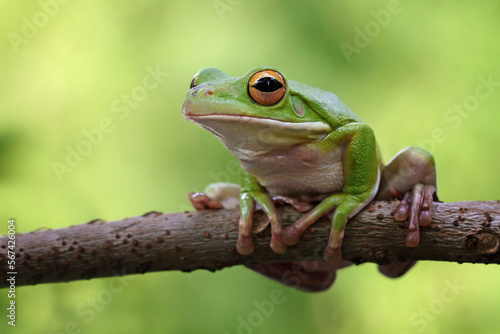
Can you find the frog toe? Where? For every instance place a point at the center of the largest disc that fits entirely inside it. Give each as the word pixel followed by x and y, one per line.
pixel 277 244
pixel 429 193
pixel 419 209
pixel 202 201
pixel 291 235
pixel 245 245
pixel 403 209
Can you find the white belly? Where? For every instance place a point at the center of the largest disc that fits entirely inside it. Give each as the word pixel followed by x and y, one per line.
pixel 303 172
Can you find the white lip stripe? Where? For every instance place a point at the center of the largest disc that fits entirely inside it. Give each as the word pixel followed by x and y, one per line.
pixel 314 126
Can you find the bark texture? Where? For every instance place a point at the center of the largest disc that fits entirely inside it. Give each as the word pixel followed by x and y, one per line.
pixel 459 232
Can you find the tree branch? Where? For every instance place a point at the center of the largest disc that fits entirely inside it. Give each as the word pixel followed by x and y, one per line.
pixel 460 232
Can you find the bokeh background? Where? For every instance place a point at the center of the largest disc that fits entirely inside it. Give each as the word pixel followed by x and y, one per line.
pixel 405 67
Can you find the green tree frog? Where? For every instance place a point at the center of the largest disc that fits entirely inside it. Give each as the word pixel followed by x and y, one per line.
pixel 301 145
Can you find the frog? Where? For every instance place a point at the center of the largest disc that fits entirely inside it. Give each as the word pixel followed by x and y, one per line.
pixel 302 146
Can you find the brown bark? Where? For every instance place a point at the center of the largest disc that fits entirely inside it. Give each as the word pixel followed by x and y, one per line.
pixel 460 232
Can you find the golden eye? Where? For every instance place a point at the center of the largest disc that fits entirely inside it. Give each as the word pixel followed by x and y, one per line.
pixel 194 82
pixel 266 87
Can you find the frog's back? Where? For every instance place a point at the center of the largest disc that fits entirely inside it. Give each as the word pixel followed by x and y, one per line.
pixel 336 113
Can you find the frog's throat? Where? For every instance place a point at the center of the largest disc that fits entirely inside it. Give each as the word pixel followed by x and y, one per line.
pixel 247 137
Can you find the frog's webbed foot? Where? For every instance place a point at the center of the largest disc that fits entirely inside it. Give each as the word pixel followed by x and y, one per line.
pixel 216 196
pixel 338 208
pixel 411 177
pixel 201 201
pixel 261 202
pixel 228 196
pixel 249 201
pixel 417 206
pixel 332 253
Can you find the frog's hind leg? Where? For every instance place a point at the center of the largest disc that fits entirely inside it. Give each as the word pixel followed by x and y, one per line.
pixel 411 176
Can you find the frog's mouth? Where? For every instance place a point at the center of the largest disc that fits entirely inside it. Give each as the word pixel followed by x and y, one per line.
pixel 247 136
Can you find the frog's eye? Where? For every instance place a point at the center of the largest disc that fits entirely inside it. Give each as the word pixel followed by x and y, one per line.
pixel 266 87
pixel 194 82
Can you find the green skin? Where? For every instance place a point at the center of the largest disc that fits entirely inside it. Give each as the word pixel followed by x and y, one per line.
pixel 307 149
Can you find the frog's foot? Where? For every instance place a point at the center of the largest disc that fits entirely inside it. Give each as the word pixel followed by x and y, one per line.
pixel 201 201
pixel 417 206
pixel 309 276
pixel 216 196
pixel 244 245
pixel 332 253
pixel 249 201
pixel 410 175
pixel 292 233
pixel 338 208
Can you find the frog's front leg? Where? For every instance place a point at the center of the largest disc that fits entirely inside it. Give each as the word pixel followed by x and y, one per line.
pixel 361 174
pixel 251 193
pixel 410 175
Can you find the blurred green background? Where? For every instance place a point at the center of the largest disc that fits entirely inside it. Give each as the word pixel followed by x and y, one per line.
pixel 401 66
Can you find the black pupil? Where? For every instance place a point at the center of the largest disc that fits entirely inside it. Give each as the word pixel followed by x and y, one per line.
pixel 193 82
pixel 267 84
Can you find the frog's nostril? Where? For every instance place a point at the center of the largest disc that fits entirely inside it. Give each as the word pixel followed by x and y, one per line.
pixel 209 92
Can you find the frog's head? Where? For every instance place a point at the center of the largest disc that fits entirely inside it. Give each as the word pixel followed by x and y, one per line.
pixel 254 113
